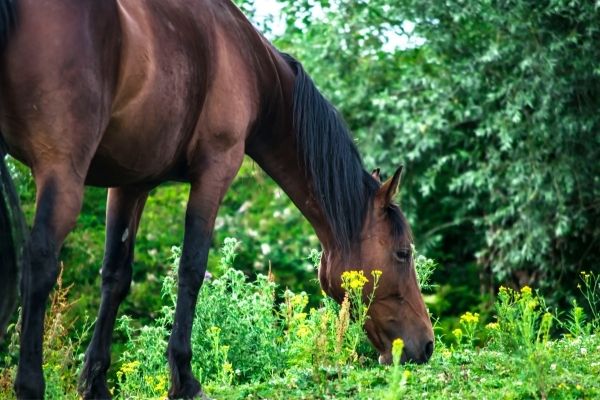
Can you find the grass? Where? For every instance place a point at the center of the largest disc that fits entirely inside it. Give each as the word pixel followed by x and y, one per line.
pixel 253 340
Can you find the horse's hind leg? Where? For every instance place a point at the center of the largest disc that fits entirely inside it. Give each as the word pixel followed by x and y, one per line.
pixel 59 197
pixel 124 209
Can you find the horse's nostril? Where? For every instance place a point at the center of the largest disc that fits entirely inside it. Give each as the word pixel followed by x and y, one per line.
pixel 428 350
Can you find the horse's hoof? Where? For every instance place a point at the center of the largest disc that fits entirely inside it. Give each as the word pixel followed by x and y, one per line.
pixel 25 392
pixel 92 382
pixel 202 396
pixel 189 390
pixel 95 392
pixel 29 385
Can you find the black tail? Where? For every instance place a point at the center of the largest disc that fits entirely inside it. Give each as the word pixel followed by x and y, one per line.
pixel 8 19
pixel 13 230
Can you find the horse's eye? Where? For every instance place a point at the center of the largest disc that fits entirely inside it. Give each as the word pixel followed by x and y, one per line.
pixel 403 255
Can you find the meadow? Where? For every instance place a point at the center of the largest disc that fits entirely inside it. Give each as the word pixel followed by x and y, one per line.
pixel 256 340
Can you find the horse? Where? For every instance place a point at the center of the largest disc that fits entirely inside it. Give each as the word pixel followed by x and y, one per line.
pixel 127 94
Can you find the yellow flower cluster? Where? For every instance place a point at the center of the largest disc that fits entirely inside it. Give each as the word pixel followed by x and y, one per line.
pixel 301 316
pixel 526 291
pixel 130 367
pixel 493 326
pixel 457 333
pixel 303 331
pixel 532 304
pixel 376 274
pixel 299 300
pixel 353 280
pixel 469 318
pixel 158 384
pixel 228 368
pixel 127 369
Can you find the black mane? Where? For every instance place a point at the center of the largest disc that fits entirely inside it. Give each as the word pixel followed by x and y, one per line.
pixel 341 185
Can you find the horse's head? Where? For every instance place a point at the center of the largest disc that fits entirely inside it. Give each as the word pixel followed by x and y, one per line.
pixel 398 310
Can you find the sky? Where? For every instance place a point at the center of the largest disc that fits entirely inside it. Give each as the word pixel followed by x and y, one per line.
pixel 266 8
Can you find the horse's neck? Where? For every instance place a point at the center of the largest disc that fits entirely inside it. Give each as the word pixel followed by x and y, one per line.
pixel 280 160
pixel 274 149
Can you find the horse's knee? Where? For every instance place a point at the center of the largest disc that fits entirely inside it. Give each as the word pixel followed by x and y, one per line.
pixel 191 275
pixel 41 274
pixel 116 282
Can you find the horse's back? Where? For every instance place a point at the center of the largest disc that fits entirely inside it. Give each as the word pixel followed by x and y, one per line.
pixel 146 87
pixel 52 70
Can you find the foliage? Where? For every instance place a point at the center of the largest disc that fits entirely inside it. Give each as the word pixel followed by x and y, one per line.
pixel 493 108
pixel 246 345
pixel 63 348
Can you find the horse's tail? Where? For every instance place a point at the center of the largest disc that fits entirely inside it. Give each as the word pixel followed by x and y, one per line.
pixel 13 230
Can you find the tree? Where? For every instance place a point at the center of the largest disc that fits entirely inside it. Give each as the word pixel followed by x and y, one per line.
pixel 495 115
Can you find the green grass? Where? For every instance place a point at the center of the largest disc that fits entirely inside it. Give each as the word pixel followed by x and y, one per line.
pixel 253 340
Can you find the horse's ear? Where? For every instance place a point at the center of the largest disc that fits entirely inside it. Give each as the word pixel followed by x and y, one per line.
pixel 388 190
pixel 376 174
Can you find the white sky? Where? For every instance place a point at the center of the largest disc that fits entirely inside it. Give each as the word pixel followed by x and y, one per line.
pixel 266 8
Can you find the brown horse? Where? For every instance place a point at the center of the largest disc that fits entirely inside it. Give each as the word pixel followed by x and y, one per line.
pixel 127 94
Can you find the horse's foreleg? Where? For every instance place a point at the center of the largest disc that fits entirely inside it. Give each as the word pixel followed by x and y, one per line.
pixel 59 197
pixel 206 194
pixel 124 209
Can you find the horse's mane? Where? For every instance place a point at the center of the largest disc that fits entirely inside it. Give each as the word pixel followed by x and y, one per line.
pixel 341 185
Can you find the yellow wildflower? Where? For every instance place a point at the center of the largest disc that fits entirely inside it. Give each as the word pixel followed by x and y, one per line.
pixel 299 316
pixel 526 291
pixel 397 347
pixel 376 273
pixel 130 367
pixel 299 300
pixel 353 280
pixel 161 384
pixel 493 326
pixel 227 368
pixel 214 330
pixel 458 333
pixel 303 331
pixel 127 369
pixel 532 304
pixel 469 318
